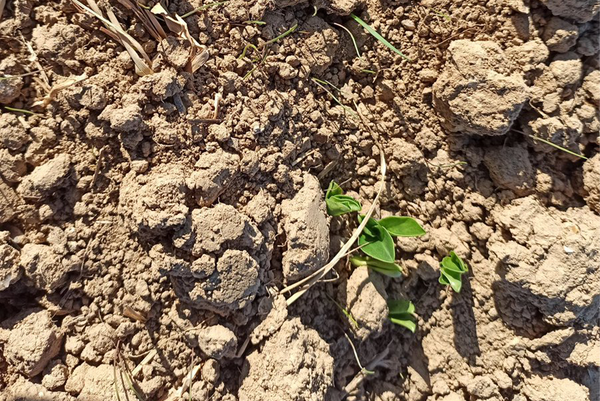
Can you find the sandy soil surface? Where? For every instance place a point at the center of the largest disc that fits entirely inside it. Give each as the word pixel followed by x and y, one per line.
pixel 149 219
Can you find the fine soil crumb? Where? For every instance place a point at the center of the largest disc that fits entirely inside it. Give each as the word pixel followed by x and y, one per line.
pixel 580 11
pixel 214 172
pixel 10 270
pixel 45 178
pixel 156 200
pixel 31 340
pixel 219 287
pixel 151 222
pixel 10 89
pixel 366 301
pixel 293 365
pixel 549 264
pixel 591 182
pixel 44 267
pixel 478 93
pixel 550 389
pixel 13 134
pixel 511 169
pixel 217 342
pixel 560 35
pixel 307 231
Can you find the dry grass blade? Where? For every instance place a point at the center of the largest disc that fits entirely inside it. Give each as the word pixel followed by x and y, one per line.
pixel 198 55
pixel 123 369
pixel 147 18
pixel 379 360
pixel 57 88
pixel 133 47
pixel 314 278
pixel 186 383
pixel 145 361
pixel 43 81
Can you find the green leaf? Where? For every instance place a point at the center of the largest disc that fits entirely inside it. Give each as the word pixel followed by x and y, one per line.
pixel 452 268
pixel 338 203
pixel 402 226
pixel 388 269
pixel 402 312
pixel 376 242
pixel 334 189
pixel 342 204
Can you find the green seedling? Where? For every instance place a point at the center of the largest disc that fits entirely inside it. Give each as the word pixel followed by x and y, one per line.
pixel 443 15
pixel 346 312
pixel 363 370
pixel 452 268
pixel 400 226
pixel 377 36
pixel 248 46
pixel 377 242
pixel 537 138
pixel 338 203
pixel 388 269
pixel 13 109
pixel 255 22
pixel 402 313
pixel 264 48
pixel 376 238
pixel 283 35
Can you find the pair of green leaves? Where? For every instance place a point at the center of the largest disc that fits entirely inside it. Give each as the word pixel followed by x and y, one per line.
pixel 452 268
pixel 376 239
pixel 338 203
pixel 402 313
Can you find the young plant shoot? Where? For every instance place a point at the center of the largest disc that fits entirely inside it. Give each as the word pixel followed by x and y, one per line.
pixel 376 240
pixel 452 268
pixel 338 203
pixel 402 313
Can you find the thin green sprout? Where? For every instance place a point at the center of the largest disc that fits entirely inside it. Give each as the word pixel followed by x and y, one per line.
pixel 345 312
pixel 249 45
pixel 255 22
pixel 20 110
pixel 283 35
pixel 551 144
pixel 362 368
pixel 378 36
pixel 256 66
pixel 116 385
pixel 443 15
pixel 558 147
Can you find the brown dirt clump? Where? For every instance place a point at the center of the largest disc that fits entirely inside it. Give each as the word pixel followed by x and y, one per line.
pixel 149 223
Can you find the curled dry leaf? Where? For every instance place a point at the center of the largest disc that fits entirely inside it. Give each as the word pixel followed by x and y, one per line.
pixel 45 101
pixel 176 24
